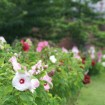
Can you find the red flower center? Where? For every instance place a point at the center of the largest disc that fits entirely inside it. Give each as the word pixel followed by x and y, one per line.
pixel 45 84
pixel 22 81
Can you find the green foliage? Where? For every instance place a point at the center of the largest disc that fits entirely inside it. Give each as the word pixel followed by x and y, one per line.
pixel 67 79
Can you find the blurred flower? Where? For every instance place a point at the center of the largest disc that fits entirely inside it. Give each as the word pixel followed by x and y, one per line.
pixel 34 84
pixel 53 59
pixel 37 68
pixel 15 64
pixel 42 45
pixel 99 54
pixel 83 60
pixel 103 64
pixel 46 86
pixel 103 56
pixel 21 81
pixel 93 63
pixel 49 83
pixel 47 79
pixel 75 50
pixel 92 56
pixel 86 79
pixel 45 66
pixel 38 65
pixel 28 40
pixel 51 73
pixel 64 50
pixel 2 40
pixel 25 45
pixel 77 57
pixel 92 50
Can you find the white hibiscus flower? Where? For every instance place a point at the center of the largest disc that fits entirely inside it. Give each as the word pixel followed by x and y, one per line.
pixel 34 84
pixel 21 81
pixel 2 40
pixel 53 59
pixel 75 50
pixel 103 56
pixel 92 50
pixel 103 64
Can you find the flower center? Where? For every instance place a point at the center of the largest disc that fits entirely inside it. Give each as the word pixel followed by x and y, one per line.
pixel 45 84
pixel 22 81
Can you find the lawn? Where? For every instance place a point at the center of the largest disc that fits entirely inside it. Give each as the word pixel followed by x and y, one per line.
pixel 93 93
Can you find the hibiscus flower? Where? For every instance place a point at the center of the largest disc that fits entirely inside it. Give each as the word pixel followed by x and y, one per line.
pixel 48 81
pixel 42 45
pixel 15 64
pixel 23 81
pixel 53 59
pixel 25 46
pixel 86 79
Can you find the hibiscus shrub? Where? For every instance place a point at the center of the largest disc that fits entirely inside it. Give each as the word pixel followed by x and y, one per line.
pixel 96 61
pixel 41 76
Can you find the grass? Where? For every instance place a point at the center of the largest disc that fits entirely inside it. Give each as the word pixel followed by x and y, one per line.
pixel 93 93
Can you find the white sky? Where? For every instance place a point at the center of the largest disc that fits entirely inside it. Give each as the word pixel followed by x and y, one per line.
pixel 98 7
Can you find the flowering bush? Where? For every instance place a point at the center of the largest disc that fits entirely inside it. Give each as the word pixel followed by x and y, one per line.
pixel 41 75
pixel 45 77
pixel 96 61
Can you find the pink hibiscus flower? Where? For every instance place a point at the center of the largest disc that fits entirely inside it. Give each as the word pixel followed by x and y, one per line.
pixel 41 45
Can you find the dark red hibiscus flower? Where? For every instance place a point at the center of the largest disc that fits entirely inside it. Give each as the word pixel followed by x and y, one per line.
pixel 93 62
pixel 86 79
pixel 51 73
pixel 25 45
pixel 83 60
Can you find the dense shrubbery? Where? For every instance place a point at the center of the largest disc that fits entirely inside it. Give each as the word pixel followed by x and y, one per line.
pixel 57 75
pixel 44 75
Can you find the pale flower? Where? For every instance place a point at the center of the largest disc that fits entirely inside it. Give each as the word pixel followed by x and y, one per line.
pixel 15 64
pixel 77 57
pixel 75 50
pixel 46 87
pixel 103 64
pixel 2 40
pixel 21 81
pixel 92 50
pixel 38 65
pixel 64 50
pixel 92 56
pixel 47 79
pixel 37 68
pixel 103 56
pixel 99 54
pixel 34 84
pixel 32 72
pixel 53 59
pixel 28 40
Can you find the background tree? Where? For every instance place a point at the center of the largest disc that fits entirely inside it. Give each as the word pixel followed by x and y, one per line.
pixel 51 20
